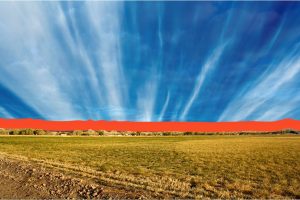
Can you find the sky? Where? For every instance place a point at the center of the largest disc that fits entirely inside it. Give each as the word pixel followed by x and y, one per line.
pixel 150 61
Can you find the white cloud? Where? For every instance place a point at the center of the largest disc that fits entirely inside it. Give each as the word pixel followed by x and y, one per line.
pixel 34 59
pixel 207 68
pixel 255 100
pixel 4 113
pixel 37 67
pixel 146 100
pixel 165 106
pixel 104 19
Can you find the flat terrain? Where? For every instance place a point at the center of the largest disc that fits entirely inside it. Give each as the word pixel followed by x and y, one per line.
pixel 184 166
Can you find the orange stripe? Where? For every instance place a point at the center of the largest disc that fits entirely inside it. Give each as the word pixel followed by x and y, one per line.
pixel 151 126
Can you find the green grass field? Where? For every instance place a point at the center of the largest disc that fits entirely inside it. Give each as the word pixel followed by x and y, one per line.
pixel 187 167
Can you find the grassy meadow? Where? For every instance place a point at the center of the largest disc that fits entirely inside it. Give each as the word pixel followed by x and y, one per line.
pixel 182 166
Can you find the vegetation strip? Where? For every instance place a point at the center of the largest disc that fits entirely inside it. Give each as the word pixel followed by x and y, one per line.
pixel 91 132
pixel 185 167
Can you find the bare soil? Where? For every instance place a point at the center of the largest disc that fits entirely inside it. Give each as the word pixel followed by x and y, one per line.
pixel 28 180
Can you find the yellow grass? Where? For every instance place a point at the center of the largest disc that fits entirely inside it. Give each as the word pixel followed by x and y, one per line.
pixel 186 167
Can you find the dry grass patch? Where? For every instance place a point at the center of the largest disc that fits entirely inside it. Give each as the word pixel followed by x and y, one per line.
pixel 187 167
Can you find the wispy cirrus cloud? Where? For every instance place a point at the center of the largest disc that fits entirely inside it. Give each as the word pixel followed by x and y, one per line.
pixel 164 108
pixel 275 87
pixel 41 70
pixel 153 61
pixel 32 59
pixel 146 101
pixel 209 66
pixel 105 21
pixel 5 113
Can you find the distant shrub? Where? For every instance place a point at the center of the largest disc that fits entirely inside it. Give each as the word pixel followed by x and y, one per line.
pixel 167 133
pixel 39 132
pixel 77 132
pixel 135 133
pixel 198 133
pixel 92 132
pixel 26 132
pixel 155 134
pixel 14 132
pixel 290 131
pixel 100 132
pixel 85 133
pixel 70 133
pixel 187 133
pixel 4 132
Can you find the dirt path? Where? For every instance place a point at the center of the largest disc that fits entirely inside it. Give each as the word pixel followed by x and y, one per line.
pixel 22 179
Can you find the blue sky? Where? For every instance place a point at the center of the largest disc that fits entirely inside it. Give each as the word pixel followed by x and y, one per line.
pixel 150 61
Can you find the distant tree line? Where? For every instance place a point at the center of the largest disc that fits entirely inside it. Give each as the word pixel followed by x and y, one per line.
pixel 131 133
pixel 44 132
pixel 22 132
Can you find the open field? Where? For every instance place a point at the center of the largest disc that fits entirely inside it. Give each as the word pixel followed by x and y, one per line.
pixel 183 166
